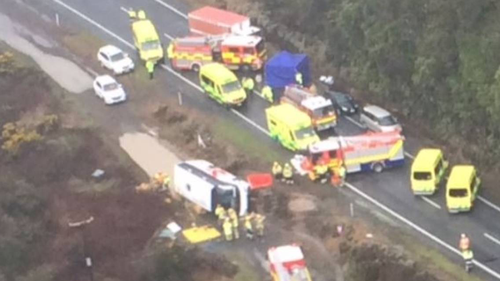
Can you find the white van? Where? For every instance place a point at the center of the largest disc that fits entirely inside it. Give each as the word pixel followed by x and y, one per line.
pixel 207 186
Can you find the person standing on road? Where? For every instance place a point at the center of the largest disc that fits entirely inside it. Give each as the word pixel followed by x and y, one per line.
pixel 259 225
pixel 468 257
pixel 248 85
pixel 150 67
pixel 234 222
pixel 277 171
pixel 342 175
pixel 288 174
pixel 248 226
pixel 227 226
pixel 464 243
pixel 267 93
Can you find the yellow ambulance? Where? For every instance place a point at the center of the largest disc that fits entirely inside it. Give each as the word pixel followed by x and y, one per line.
pixel 427 171
pixel 146 39
pixel 291 127
pixel 222 85
pixel 462 188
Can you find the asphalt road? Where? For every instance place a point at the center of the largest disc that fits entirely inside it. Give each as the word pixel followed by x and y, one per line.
pixel 389 190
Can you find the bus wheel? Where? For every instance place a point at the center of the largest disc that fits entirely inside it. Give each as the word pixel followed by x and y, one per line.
pixel 378 167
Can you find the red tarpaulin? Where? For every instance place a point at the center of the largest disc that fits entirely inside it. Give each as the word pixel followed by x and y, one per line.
pixel 260 181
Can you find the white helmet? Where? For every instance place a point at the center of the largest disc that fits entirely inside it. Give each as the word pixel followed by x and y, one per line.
pixel 463 235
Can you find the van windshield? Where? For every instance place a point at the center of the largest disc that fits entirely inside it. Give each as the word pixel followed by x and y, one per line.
pixel 150 45
pixel 458 192
pixel 304 133
pixel 422 176
pixel 225 195
pixel 231 87
pixel 320 112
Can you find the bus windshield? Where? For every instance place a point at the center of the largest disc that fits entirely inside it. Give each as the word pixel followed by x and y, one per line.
pixel 422 176
pixel 458 192
pixel 231 87
pixel 150 45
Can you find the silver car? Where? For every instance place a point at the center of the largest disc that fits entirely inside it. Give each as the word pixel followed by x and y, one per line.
pixel 378 119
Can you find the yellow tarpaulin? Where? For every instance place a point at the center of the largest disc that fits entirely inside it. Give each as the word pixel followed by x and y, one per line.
pixel 201 234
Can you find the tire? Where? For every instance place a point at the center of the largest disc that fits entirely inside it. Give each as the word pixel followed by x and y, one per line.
pixel 195 67
pixel 245 68
pixel 378 167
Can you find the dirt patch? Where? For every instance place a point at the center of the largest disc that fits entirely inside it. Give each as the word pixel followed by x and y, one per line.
pixel 301 203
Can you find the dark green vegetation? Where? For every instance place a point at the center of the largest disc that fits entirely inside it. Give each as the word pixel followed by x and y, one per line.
pixel 435 60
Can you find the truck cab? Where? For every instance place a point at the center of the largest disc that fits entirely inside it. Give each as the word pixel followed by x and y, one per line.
pixel 290 127
pixel 462 188
pixel 318 108
pixel 146 39
pixel 222 85
pixel 427 171
pixel 207 186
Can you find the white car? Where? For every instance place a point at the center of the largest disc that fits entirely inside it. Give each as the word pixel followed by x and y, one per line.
pixel 109 90
pixel 115 60
pixel 378 119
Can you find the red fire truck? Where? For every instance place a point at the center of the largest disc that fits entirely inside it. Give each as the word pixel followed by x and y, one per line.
pixel 367 152
pixel 236 52
pixel 212 21
pixel 319 109
pixel 287 263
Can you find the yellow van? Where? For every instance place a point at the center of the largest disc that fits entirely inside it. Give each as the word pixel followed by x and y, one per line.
pixel 222 85
pixel 427 171
pixel 291 127
pixel 146 39
pixel 461 189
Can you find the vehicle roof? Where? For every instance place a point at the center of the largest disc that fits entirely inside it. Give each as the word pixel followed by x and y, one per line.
pixel 426 158
pixel 105 79
pixel 145 30
pixel 218 73
pixel 242 40
pixel 377 111
pixel 110 50
pixel 283 254
pixel 289 113
pixel 217 16
pixel 460 174
pixel 209 173
pixel 316 102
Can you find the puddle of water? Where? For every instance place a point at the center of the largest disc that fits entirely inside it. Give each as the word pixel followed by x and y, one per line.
pixel 66 73
pixel 148 153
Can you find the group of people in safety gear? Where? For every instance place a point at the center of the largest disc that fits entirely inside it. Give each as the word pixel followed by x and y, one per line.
pixel 229 221
pixel 162 180
pixel 284 174
pixel 465 247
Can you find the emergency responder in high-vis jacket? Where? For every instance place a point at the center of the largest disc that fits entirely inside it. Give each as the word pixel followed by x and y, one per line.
pixel 150 67
pixel 277 171
pixel 468 257
pixel 299 79
pixel 248 84
pixel 220 212
pixel 249 226
pixel 234 222
pixel 321 171
pixel 267 93
pixel 288 174
pixel 227 226
pixel 342 175
pixel 259 225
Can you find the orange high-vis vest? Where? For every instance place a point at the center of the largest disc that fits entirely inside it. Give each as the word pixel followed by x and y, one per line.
pixel 464 244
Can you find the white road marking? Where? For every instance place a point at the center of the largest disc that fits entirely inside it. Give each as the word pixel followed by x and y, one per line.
pixel 125 10
pixel 351 187
pixel 409 155
pixel 495 240
pixel 482 199
pixel 168 36
pixel 354 122
pixel 171 8
pixel 434 204
pixel 420 229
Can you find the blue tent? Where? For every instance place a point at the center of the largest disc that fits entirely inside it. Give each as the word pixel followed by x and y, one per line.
pixel 280 70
